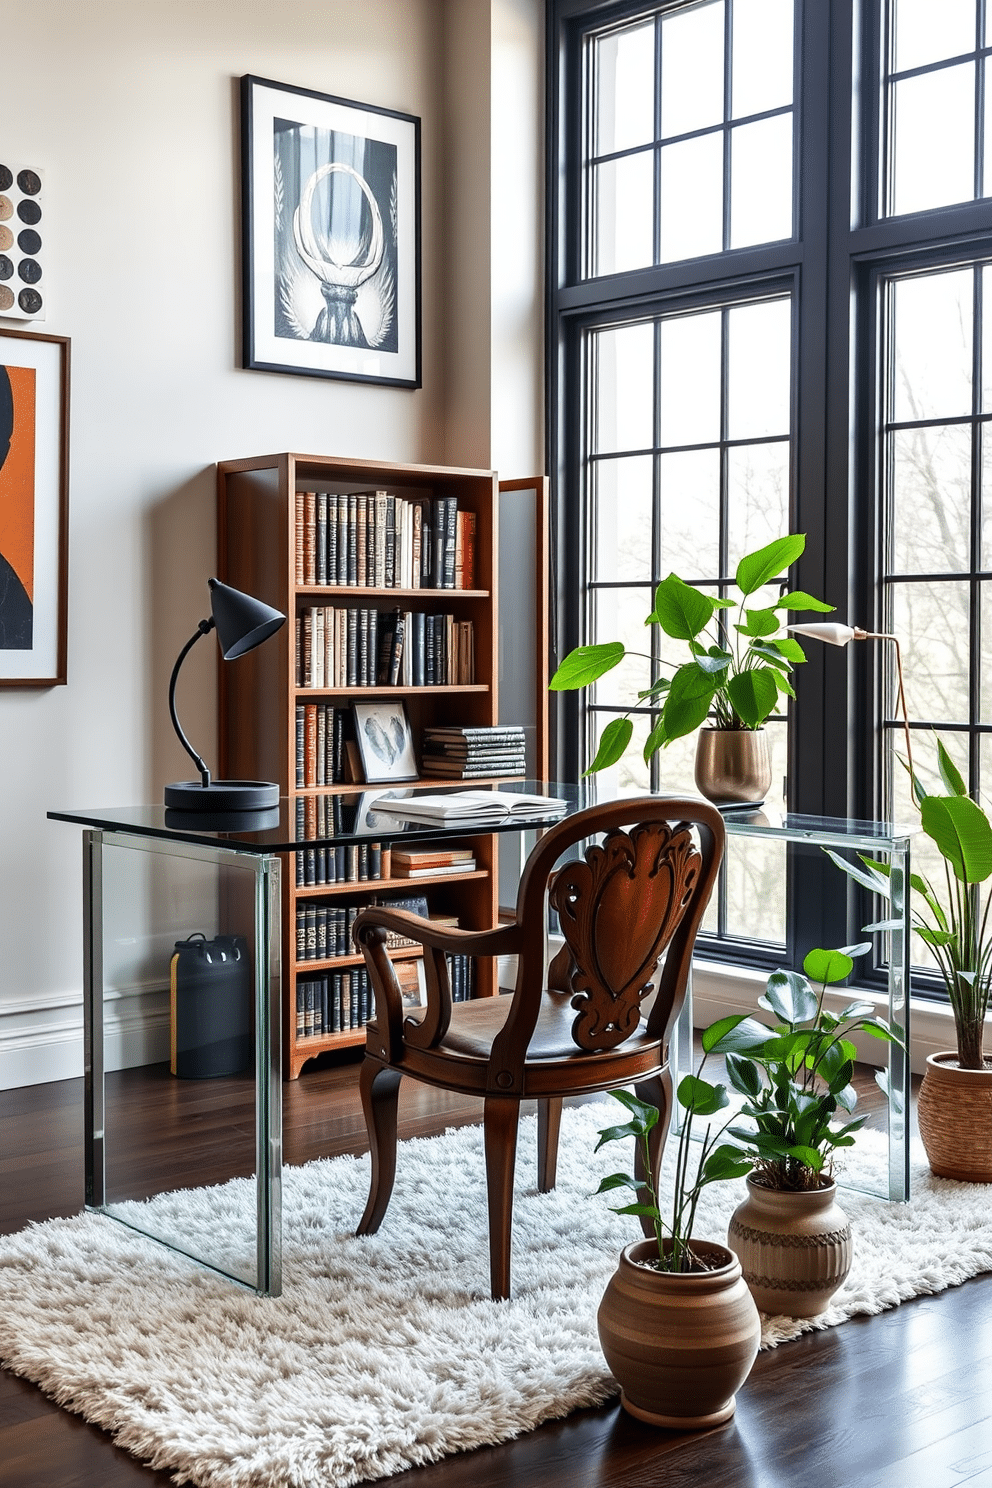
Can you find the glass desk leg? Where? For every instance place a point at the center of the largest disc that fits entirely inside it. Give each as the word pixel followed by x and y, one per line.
pixel 900 947
pixel 161 1145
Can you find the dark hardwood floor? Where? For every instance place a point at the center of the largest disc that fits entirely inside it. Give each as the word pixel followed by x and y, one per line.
pixel 889 1402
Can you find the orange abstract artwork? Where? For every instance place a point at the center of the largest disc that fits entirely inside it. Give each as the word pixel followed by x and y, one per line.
pixel 17 501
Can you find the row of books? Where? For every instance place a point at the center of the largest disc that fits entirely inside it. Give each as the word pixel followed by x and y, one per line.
pixel 382 648
pixel 333 1003
pixel 473 753
pixel 355 862
pixel 339 1001
pixel 375 540
pixel 324 931
pixel 322 735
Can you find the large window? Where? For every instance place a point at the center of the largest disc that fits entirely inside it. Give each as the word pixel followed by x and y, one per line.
pixel 770 239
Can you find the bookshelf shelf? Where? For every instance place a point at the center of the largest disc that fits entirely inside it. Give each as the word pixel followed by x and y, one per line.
pixel 259 500
pixel 386 885
pixel 343 963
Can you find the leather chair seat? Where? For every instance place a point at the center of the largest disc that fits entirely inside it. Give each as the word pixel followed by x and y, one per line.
pixel 474 1026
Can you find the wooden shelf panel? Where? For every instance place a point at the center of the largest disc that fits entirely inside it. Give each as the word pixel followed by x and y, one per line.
pixel 342 591
pixel 359 694
pixel 373 885
pixel 344 963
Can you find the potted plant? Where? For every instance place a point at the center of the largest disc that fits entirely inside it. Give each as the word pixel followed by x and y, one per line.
pixel 735 671
pixel 955 1102
pixel 677 1324
pixel 790 1235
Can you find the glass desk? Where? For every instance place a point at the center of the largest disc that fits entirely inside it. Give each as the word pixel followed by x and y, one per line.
pixel 151 879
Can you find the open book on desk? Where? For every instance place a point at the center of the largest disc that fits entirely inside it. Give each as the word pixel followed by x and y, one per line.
pixel 472 806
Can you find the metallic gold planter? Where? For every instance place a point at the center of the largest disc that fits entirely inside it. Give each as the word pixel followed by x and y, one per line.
pixel 733 765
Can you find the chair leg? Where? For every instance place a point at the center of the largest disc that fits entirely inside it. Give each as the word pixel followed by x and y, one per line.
pixel 500 1120
pixel 548 1127
pixel 380 1090
pixel 657 1091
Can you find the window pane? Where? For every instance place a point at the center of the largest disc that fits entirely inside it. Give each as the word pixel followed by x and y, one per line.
pixel 690 513
pixel 985 713
pixel 756 868
pixel 933 339
pixel 624 388
pixel 987 339
pixel 761 181
pixel 758 379
pixel 692 198
pixel 762 51
pixel 987 148
pixel 757 497
pixel 690 379
pixel 631 773
pixel 692 68
pixel 624 214
pixel 619 616
pixel 931 500
pixel 923 35
pixel 985 434
pixel 676 767
pixel 931 621
pixel 623 519
pixel 934 139
pixel 625 89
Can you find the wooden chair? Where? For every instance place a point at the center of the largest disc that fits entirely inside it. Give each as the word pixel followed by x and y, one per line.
pixel 569 1029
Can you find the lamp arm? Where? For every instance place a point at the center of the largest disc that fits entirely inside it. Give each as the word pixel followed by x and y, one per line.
pixel 204 628
pixel 870 635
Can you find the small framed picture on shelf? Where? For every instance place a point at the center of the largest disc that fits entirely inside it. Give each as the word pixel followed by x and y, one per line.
pixel 385 742
pixel 331 236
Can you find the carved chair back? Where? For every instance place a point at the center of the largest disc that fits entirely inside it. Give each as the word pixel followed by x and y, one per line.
pixel 621 906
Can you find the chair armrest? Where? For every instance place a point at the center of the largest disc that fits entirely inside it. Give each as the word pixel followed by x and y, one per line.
pixel 501 941
pixel 369 933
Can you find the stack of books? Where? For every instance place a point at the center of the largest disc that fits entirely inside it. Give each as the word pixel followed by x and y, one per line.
pixel 474 753
pixel 431 861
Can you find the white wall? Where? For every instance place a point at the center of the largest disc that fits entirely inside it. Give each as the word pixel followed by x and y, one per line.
pixel 130 107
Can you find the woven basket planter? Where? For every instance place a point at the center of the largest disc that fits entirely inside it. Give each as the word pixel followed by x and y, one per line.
pixel 955 1114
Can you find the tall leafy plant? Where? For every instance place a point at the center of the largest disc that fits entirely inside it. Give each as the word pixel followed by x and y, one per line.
pixel 737 669
pixel 695 1168
pixel 955 924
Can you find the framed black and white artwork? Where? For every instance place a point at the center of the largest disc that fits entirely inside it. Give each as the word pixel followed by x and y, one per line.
pixel 385 743
pixel 331 230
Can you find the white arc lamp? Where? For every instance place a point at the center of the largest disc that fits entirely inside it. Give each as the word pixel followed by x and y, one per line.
pixel 836 634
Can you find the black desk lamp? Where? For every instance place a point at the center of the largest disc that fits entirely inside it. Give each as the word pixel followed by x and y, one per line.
pixel 242 623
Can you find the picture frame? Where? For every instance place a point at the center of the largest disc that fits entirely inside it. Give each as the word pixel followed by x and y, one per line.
pixel 385 741
pixel 331 236
pixel 34 508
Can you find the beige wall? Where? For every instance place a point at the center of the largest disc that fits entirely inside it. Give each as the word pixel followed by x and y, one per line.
pixel 130 107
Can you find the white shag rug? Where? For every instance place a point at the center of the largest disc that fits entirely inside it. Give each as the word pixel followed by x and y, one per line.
pixel 386 1352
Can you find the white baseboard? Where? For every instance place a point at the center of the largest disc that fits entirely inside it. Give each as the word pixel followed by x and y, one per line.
pixel 42 1040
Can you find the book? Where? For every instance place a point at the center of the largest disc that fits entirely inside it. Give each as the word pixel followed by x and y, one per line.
pixel 331 562
pixel 399 871
pixel 298 537
pixel 472 805
pixel 429 857
pixel 309 537
pixel 320 547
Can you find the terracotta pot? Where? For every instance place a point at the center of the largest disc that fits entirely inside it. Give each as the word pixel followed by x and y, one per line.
pixel 955 1114
pixel 733 765
pixel 679 1345
pixel 795 1249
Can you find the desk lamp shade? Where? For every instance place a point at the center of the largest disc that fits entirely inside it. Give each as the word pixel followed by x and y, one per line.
pixel 242 623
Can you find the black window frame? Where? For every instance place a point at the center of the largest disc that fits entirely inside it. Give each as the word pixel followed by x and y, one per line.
pixel 844 246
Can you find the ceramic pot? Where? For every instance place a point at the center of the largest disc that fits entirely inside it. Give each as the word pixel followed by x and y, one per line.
pixel 679 1345
pixel 795 1249
pixel 955 1114
pixel 733 765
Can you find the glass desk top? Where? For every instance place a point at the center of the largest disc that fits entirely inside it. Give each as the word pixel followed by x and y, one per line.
pixel 361 814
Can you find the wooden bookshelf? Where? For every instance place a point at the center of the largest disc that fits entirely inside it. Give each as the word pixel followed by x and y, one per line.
pixel 259 694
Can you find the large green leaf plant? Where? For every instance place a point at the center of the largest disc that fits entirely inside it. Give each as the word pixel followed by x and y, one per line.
pixel 955 924
pixel 736 671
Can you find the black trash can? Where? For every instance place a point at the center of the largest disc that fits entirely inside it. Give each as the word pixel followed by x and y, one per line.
pixel 211 1007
